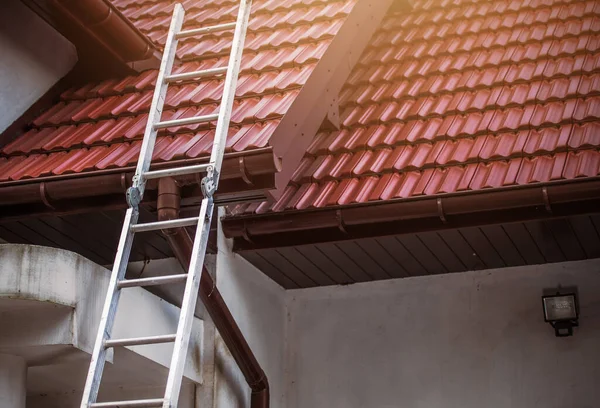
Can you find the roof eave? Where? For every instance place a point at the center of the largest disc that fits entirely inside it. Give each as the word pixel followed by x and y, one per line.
pixel 97 26
pixel 417 214
pixel 246 176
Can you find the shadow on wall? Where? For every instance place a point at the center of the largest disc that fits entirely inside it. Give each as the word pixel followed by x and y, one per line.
pixel 230 386
pixel 34 57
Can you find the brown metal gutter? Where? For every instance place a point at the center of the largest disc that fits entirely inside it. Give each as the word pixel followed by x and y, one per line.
pixel 169 199
pixel 511 204
pixel 245 176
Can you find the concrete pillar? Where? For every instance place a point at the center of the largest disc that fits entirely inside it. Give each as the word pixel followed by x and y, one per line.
pixel 13 381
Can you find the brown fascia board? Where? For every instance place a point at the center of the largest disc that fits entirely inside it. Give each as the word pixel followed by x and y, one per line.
pixel 246 176
pixel 303 119
pixel 483 207
pixel 94 24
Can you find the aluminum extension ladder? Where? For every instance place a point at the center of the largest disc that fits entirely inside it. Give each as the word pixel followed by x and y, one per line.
pixel 134 197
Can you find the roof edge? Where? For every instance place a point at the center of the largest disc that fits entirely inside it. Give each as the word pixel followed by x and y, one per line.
pixel 102 23
pixel 320 92
pixel 415 214
pixel 245 176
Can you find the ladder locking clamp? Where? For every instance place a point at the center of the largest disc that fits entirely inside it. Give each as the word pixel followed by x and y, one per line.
pixel 208 185
pixel 134 197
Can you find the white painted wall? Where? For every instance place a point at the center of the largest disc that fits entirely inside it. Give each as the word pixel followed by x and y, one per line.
pixel 34 57
pixel 467 340
pixel 258 305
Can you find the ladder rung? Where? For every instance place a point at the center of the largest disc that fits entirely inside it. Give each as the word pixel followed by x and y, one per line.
pixel 177 171
pixel 140 341
pixel 186 121
pixel 158 402
pixel 196 74
pixel 153 226
pixel 157 280
pixel 205 30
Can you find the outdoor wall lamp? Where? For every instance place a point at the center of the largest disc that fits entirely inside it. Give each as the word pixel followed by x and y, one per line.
pixel 561 310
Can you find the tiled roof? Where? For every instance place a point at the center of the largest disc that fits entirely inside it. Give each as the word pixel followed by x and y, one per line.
pixel 461 95
pixel 101 125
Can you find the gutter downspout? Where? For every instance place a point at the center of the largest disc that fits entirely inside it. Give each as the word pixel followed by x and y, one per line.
pixel 169 199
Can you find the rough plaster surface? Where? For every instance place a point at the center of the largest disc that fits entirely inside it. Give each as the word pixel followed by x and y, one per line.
pixel 34 57
pixel 50 305
pixel 467 340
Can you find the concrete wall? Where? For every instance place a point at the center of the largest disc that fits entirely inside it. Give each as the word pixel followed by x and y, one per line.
pixel 466 340
pixel 34 57
pixel 258 305
pixel 50 306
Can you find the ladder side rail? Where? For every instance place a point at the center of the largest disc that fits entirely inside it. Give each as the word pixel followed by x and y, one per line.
pixel 109 311
pixel 231 80
pixel 156 108
pixel 188 304
pixel 206 211
pixel 99 352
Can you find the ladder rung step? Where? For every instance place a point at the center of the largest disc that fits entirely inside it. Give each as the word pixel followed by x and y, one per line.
pixel 196 74
pixel 140 341
pixel 177 171
pixel 153 226
pixel 158 402
pixel 157 280
pixel 186 121
pixel 205 30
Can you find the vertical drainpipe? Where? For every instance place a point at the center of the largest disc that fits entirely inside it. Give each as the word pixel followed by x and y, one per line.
pixel 169 200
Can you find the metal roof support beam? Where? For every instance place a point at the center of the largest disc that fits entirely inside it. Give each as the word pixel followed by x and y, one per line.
pixel 320 92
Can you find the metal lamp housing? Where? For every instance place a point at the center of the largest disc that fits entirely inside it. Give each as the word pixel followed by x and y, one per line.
pixel 562 312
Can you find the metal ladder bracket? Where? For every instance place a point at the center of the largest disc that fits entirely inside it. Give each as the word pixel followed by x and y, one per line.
pixel 209 182
pixel 133 197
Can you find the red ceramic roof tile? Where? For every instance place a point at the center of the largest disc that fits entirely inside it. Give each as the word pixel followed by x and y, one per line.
pixel 512 118
pixel 385 187
pixel 30 141
pixel 541 168
pixel 285 41
pixel 585 135
pixel 460 151
pixel 343 192
pixel 41 165
pixel 450 180
pixel 587 109
pixel 495 174
pixel 585 163
pixel 503 145
pixel 324 193
pixel 548 139
pixel 456 95
pixel 9 166
pixel 466 96
pixel 553 112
